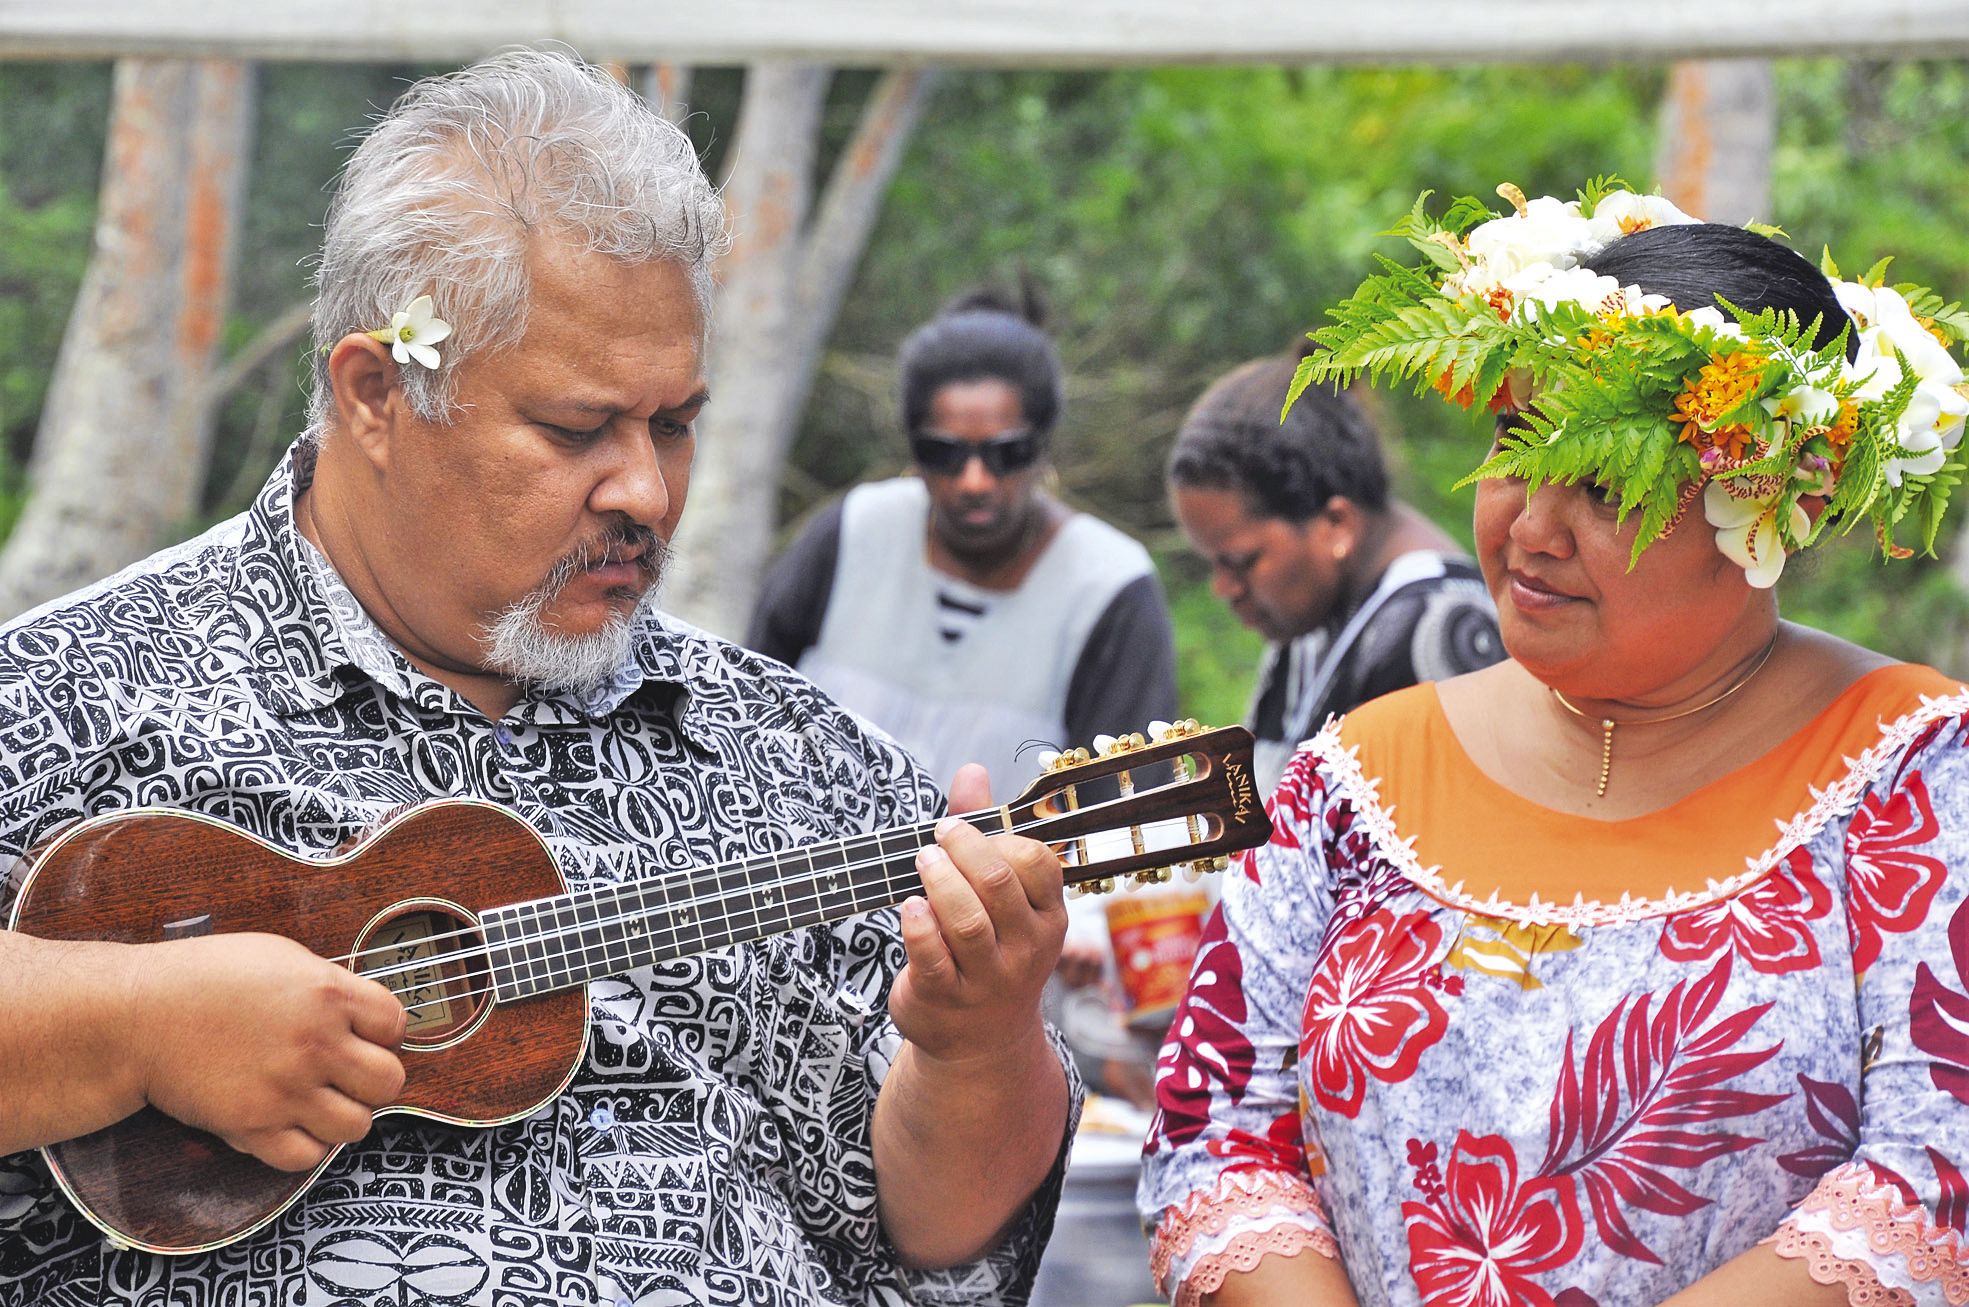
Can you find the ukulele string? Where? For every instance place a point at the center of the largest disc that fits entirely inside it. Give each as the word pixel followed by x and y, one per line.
pixel 595 894
pixel 892 884
pixel 556 934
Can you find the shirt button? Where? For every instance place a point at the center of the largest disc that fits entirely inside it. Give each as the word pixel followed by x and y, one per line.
pixel 504 734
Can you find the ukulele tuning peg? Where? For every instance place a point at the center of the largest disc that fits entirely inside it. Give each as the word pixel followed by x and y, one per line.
pixel 1051 760
pixel 1136 740
pixel 1105 745
pixel 1159 875
pixel 1101 886
pixel 1160 731
pixel 1212 864
pixel 1081 755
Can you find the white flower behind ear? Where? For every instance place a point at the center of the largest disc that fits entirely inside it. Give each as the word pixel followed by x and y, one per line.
pixel 1747 532
pixel 413 332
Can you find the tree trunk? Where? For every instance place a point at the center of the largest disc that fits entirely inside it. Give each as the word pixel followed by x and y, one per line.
pixel 121 451
pixel 780 290
pixel 1719 126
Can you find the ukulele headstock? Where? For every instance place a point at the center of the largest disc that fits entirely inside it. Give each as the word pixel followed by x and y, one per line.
pixel 1141 805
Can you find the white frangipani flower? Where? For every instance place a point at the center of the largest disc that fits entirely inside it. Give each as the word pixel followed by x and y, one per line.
pixel 1589 290
pixel 413 332
pixel 1919 433
pixel 1623 213
pixel 1747 531
pixel 1891 342
pixel 1714 318
pixel 1548 231
pixel 1808 406
pixel 1884 317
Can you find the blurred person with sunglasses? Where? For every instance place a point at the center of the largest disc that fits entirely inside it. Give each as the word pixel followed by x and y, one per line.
pixel 1357 593
pixel 964 609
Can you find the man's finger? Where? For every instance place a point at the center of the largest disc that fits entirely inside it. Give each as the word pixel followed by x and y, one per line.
pixel 1030 864
pixel 378 1015
pixel 982 862
pixel 370 1074
pixel 292 1149
pixel 335 1118
pixel 970 789
pixel 930 963
pixel 962 919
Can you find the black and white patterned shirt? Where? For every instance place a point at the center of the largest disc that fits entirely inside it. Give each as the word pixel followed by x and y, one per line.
pixel 715 1147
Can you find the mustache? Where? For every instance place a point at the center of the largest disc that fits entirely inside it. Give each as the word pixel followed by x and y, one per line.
pixel 623 541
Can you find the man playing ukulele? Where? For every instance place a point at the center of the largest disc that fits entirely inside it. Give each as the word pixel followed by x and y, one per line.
pixel 445 590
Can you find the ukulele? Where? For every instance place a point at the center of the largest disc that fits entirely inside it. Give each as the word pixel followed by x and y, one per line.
pixel 458 907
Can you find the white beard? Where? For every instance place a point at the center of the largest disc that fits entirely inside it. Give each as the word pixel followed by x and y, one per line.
pixel 519 645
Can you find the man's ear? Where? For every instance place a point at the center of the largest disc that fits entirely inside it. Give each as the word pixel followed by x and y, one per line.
pixel 363 378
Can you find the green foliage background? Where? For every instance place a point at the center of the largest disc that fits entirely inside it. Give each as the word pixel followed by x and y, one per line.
pixel 1178 220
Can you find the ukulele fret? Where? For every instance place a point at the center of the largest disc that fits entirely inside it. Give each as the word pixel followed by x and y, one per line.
pixel 769 895
pixel 736 893
pixel 833 889
pixel 536 948
pixel 501 954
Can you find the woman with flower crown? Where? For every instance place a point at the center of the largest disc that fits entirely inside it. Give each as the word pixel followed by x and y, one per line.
pixel 1634 969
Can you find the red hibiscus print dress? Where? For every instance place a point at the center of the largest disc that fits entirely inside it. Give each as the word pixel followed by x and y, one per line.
pixel 1709 1036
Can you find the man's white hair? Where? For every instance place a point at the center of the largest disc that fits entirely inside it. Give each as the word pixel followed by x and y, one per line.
pixel 443 197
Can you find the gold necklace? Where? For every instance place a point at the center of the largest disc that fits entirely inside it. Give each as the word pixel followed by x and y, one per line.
pixel 1608 724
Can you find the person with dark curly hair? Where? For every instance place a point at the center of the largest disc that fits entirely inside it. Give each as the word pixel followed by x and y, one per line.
pixel 1358 593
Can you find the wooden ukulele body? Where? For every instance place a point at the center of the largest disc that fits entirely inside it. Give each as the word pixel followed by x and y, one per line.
pixel 149 875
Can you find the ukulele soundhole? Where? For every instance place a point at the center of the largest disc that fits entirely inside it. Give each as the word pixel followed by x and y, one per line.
pixel 432 956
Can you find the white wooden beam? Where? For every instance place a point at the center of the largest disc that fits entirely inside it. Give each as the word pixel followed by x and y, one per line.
pixel 990 32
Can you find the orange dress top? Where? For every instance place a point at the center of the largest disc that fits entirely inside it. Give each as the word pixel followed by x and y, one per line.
pixel 1482 840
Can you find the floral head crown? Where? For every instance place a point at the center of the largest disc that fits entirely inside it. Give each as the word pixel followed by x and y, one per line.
pixel 1657 406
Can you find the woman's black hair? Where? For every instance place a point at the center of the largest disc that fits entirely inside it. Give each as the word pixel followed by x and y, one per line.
pixel 1694 263
pixel 983 336
pixel 1326 446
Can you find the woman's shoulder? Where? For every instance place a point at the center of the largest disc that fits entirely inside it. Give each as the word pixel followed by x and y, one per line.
pixel 1865 695
pixel 1402 715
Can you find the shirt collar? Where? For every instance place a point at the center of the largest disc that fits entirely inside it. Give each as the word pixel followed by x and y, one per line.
pixel 295 653
pixel 317 644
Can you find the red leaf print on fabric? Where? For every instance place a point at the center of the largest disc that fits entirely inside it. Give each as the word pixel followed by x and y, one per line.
pixel 1652 1071
pixel 1207 1047
pixel 1291 806
pixel 1765 923
pixel 1939 1015
pixel 1890 886
pixel 1833 1113
pixel 1479 1242
pixel 1372 1009
pixel 1280 1146
pixel 1953 1209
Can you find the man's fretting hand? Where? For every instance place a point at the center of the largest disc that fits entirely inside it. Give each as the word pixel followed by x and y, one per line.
pixel 278 1052
pixel 982 939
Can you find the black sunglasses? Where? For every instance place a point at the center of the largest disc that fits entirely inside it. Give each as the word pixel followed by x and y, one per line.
pixel 946 456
